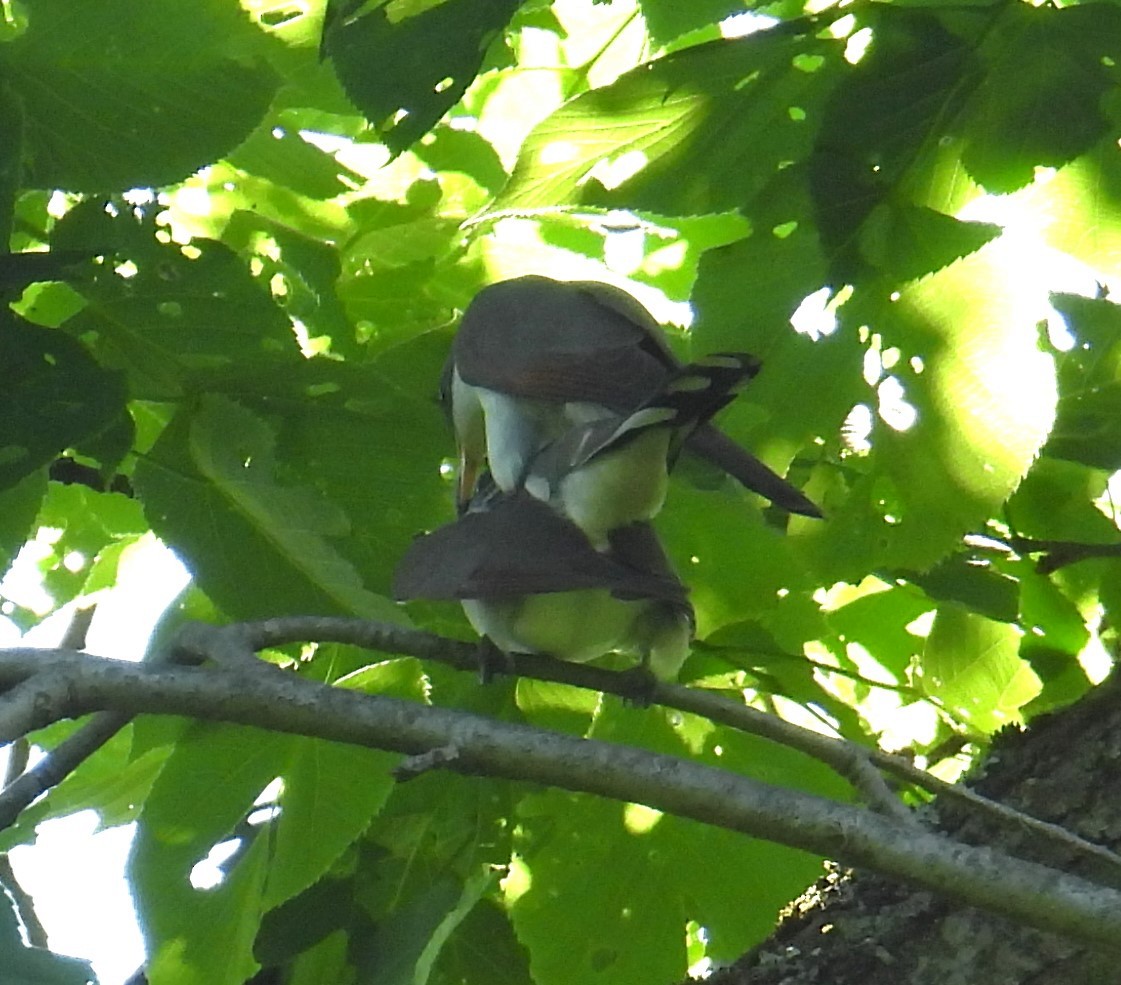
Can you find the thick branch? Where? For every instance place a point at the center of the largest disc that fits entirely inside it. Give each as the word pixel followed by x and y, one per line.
pixel 282 702
pixel 236 645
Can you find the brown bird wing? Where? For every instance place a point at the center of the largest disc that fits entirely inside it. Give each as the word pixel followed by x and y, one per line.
pixel 557 341
pixel 519 546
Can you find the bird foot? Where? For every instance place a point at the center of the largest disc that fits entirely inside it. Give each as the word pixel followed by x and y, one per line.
pixel 492 660
pixel 638 685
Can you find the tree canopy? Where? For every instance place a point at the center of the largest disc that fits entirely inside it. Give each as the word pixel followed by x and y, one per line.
pixel 240 238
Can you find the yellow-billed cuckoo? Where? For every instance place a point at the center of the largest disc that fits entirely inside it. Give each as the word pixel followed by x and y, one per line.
pixel 534 356
pixel 531 582
pixel 614 470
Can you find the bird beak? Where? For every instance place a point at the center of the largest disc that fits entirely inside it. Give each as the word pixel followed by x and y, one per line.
pixel 467 480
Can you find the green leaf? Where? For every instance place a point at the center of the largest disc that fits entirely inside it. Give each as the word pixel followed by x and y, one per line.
pixel 1012 128
pixel 375 446
pixel 284 157
pixel 308 269
pixel 579 927
pixel 256 546
pixel 58 397
pixel 973 583
pixel 322 809
pixel 11 156
pixel 162 313
pixel 878 622
pixel 906 242
pixel 669 19
pixel 409 942
pixel 708 126
pixel 981 398
pixel 18 508
pixel 709 534
pixel 405 74
pixel 1055 502
pixel 205 789
pixel 1086 428
pixel 447 149
pixel 483 948
pixel 1081 205
pixel 120 94
pixel 875 126
pixel 25 965
pixel 972 665
pixel 747 291
pixel 1095 359
pixel 303 921
pixel 112 782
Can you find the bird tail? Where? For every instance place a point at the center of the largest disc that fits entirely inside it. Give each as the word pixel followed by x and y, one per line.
pixel 688 399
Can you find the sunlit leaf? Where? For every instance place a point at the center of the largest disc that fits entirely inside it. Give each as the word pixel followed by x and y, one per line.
pixel 973 665
pixel 708 126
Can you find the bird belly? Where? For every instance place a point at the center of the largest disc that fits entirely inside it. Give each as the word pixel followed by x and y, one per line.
pixel 618 487
pixel 578 626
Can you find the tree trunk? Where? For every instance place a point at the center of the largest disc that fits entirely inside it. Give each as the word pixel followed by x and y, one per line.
pixel 862 929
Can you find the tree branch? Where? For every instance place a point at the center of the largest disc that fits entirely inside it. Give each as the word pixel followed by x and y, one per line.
pixel 271 699
pixel 237 644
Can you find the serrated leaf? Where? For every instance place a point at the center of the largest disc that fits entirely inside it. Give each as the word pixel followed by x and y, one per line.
pixel 878 622
pixel 56 397
pixel 973 665
pixel 907 242
pixel 284 157
pixel 406 74
pixel 203 936
pixel 978 586
pixel 1086 427
pixel 484 949
pixel 19 505
pixel 111 782
pixel 162 313
pixel 105 109
pixel 1012 128
pixel 632 927
pixel 409 942
pixel 256 546
pixel 981 397
pixel 669 19
pixel 726 104
pixel 322 809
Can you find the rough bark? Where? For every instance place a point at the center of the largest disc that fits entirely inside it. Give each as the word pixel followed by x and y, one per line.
pixel 864 929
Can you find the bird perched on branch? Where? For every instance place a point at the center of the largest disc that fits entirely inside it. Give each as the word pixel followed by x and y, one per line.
pixel 534 357
pixel 531 582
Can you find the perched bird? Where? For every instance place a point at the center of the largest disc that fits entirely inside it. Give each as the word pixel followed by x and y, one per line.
pixel 614 470
pixel 531 582
pixel 535 356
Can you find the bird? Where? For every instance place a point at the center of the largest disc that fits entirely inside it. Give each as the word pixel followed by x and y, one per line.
pixel 530 581
pixel 535 356
pixel 614 470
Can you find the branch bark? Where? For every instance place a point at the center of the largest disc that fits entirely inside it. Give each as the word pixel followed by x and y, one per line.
pixel 264 696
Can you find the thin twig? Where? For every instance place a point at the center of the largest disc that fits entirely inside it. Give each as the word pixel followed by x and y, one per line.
pixel 58 764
